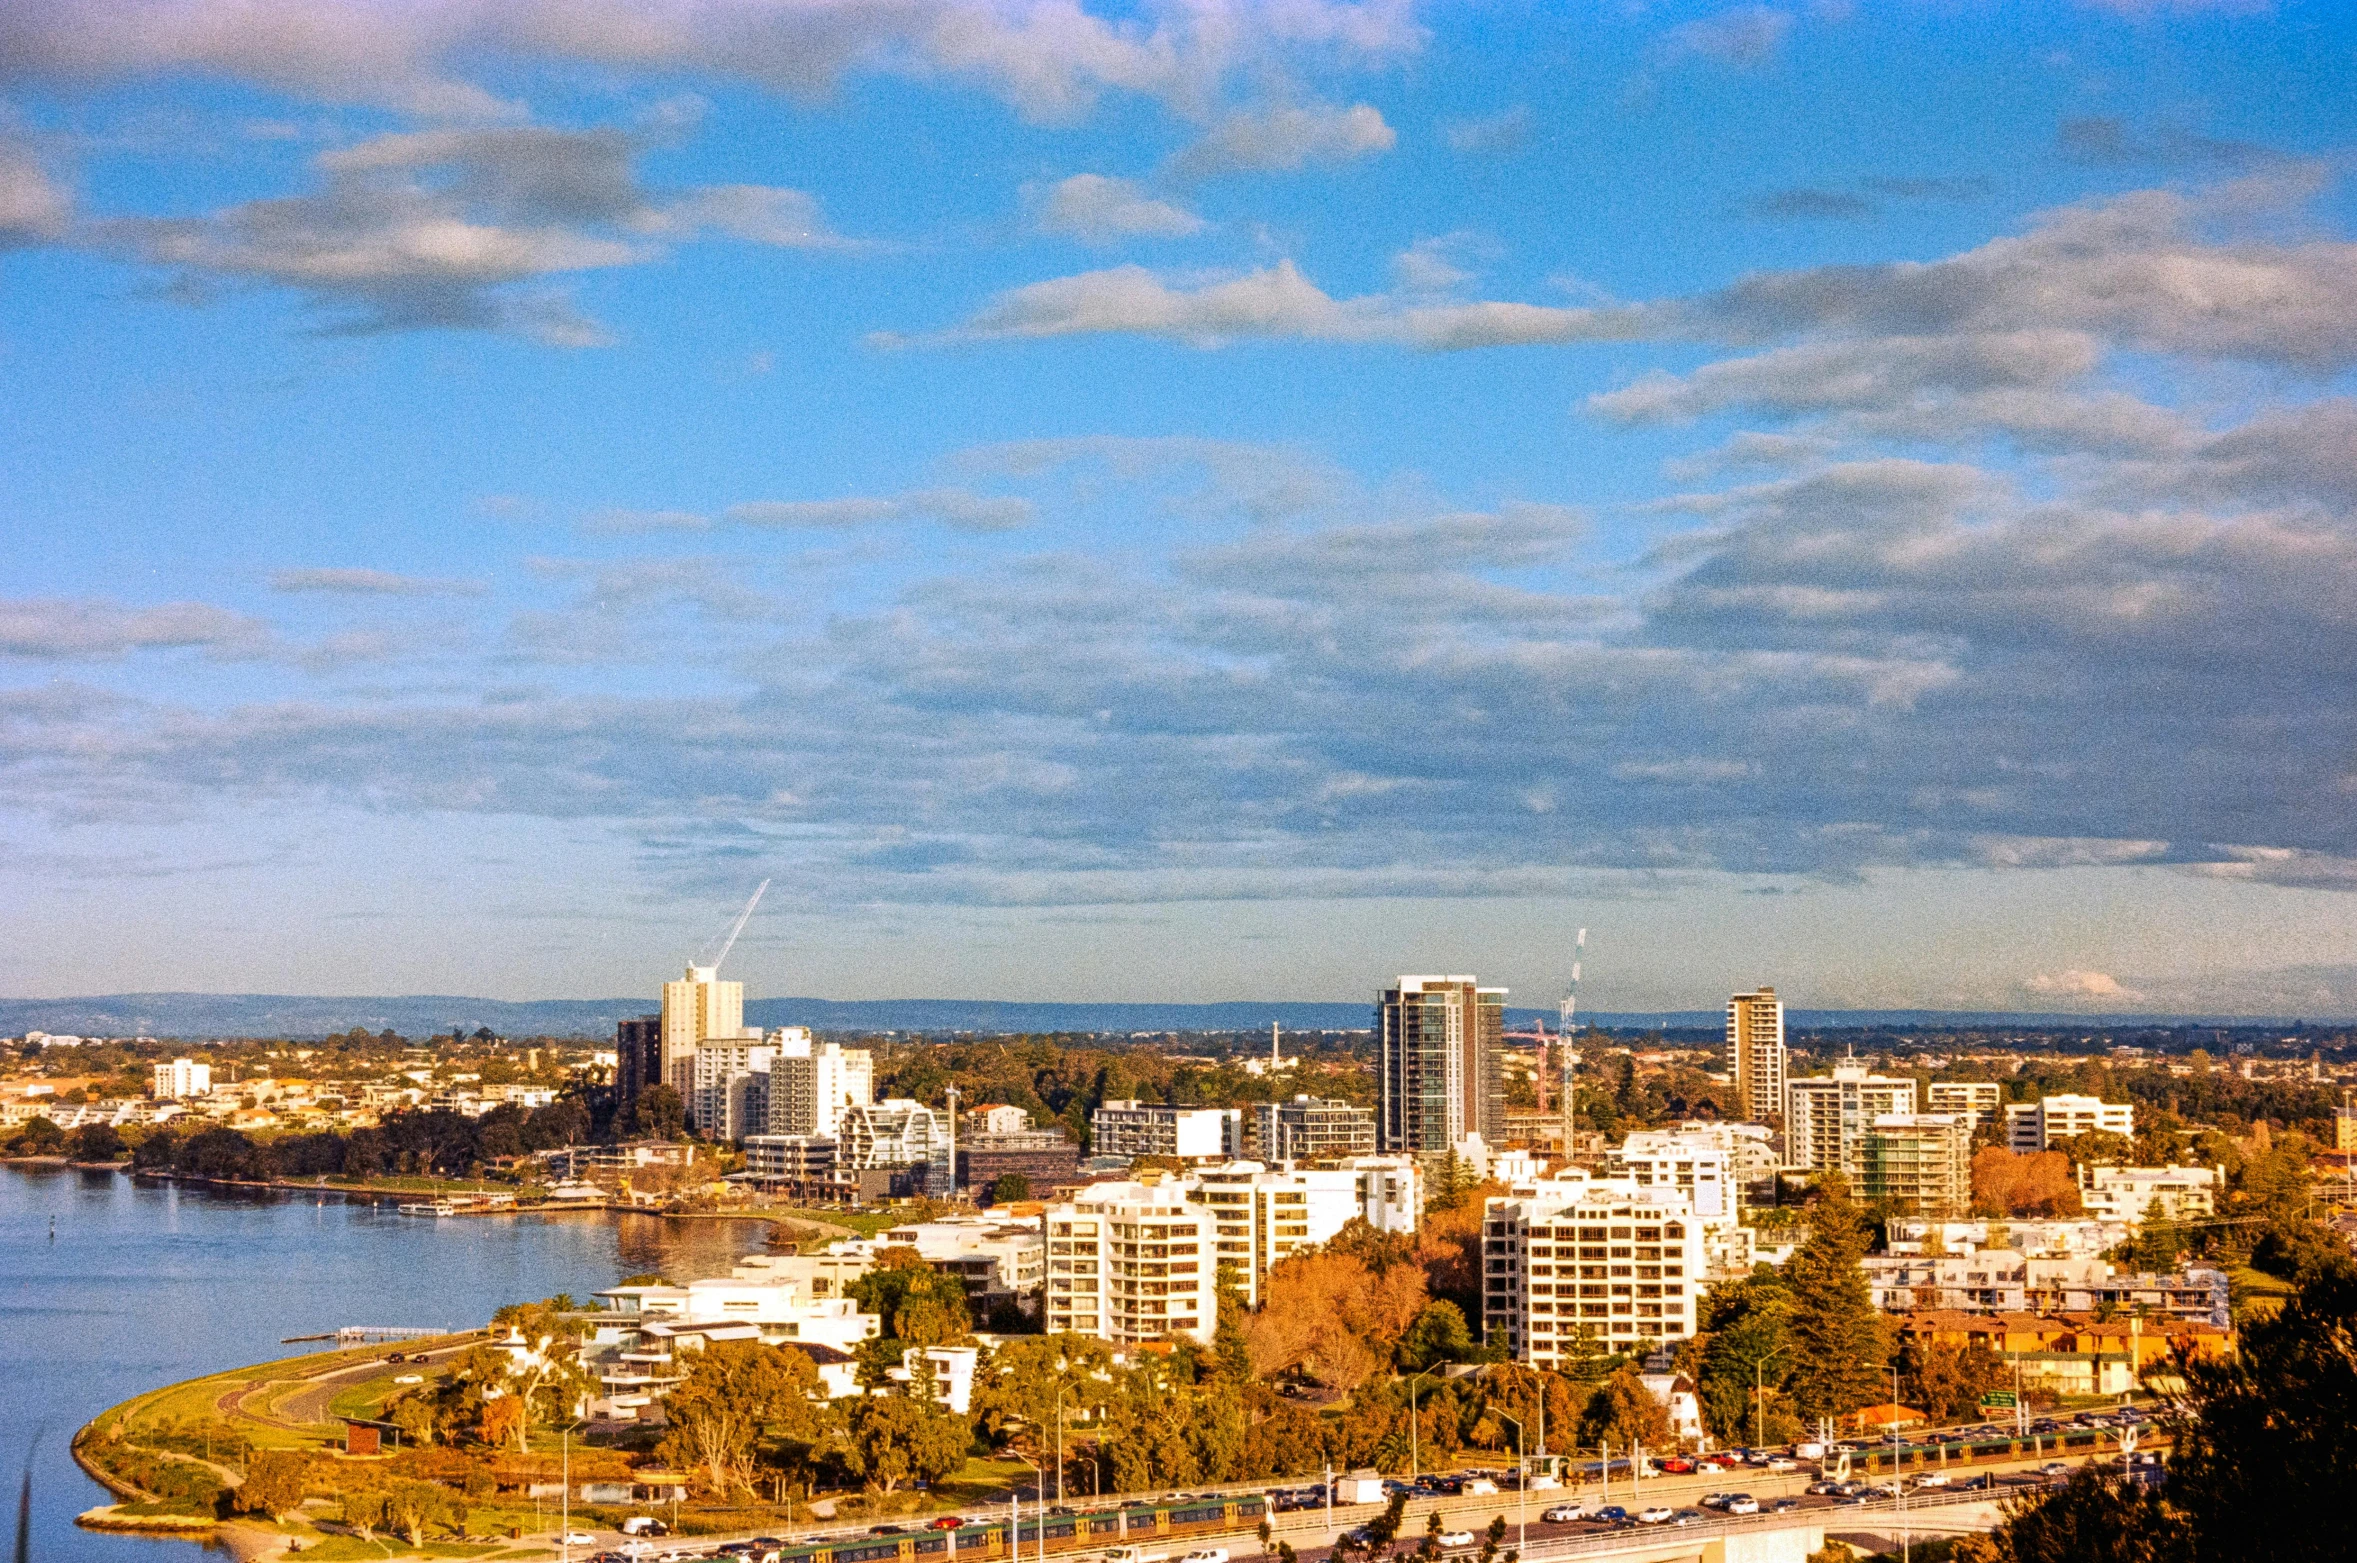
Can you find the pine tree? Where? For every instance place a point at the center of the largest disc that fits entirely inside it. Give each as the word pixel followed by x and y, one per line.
pixel 1839 1349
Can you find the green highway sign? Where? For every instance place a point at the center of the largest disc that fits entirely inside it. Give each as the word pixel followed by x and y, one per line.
pixel 2000 1400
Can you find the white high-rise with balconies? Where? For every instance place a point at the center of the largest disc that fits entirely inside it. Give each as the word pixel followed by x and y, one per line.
pixel 1755 1053
pixel 1132 1262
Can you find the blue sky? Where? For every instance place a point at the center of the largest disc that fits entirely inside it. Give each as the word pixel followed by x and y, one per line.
pixel 1181 502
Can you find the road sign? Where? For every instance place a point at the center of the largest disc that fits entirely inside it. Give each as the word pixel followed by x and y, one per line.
pixel 2000 1400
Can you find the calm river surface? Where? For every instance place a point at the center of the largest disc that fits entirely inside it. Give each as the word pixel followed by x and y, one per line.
pixel 146 1284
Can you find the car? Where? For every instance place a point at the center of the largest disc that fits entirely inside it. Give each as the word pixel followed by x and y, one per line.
pixel 1563 1513
pixel 1063 1508
pixel 1455 1538
pixel 1742 1503
pixel 1480 1487
pixel 1611 1514
pixel 1687 1516
pixel 644 1525
pixel 1714 1500
pixel 1676 1465
pixel 1933 1479
pixel 1725 1460
pixel 410 1378
pixel 1206 1555
pixel 1784 1506
pixel 2053 1468
pixel 578 1538
pixel 1820 1489
pixel 887 1530
pixel 1654 1516
pixel 946 1522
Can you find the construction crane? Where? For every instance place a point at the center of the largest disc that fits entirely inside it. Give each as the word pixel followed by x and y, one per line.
pixel 743 918
pixel 1568 1095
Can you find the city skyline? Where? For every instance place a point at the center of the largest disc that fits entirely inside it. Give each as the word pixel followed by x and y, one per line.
pixel 1178 503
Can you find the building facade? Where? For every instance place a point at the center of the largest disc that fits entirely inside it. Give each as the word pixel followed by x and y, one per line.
pixel 1129 1127
pixel 803 1164
pixel 1308 1128
pixel 728 1088
pixel 2035 1126
pixel 1440 1044
pixel 1042 1158
pixel 1695 1162
pixel 2138 1194
pixel 1131 1263
pixel 1979 1100
pixel 1266 1215
pixel 638 1058
pixel 180 1080
pixel 699 1007
pixel 1618 1266
pixel 1826 1116
pixel 1755 1052
pixel 895 1132
pixel 1919 1162
pixel 812 1084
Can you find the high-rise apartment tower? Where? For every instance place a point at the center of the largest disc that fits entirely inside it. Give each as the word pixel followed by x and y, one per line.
pixel 1440 1042
pixel 698 1008
pixel 1755 1053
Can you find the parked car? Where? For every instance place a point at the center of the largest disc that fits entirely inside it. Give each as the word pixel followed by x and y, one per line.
pixel 579 1538
pixel 1563 1513
pixel 1653 1516
pixel 1611 1514
pixel 410 1378
pixel 1480 1487
pixel 1714 1500
pixel 946 1522
pixel 1206 1555
pixel 1933 1479
pixel 1687 1516
pixel 2053 1468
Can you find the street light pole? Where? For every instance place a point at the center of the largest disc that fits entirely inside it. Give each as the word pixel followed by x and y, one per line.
pixel 1415 1469
pixel 1521 1486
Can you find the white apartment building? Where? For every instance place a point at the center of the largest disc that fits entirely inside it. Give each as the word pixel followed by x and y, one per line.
pixel 1826 1116
pixel 2138 1194
pixel 2035 1126
pixel 1979 1100
pixel 1620 1265
pixel 789 1158
pixel 1696 1161
pixel 697 1009
pixel 782 1311
pixel 1264 1216
pixel 180 1080
pixel 1308 1128
pixel 728 1087
pixel 1134 1128
pixel 2038 1239
pixel 1132 1262
pixel 998 1261
pixel 812 1084
pixel 1996 1280
pixel 997 1118
pixel 895 1132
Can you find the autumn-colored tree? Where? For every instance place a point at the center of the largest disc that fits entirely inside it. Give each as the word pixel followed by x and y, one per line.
pixel 2036 1185
pixel 891 1439
pixel 1947 1382
pixel 273 1484
pixel 919 1305
pixel 1623 1411
pixel 1329 1314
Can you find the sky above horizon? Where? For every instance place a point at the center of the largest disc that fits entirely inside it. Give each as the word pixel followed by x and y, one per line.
pixel 1181 501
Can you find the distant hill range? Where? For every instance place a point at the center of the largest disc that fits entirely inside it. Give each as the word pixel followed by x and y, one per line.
pixel 198 1015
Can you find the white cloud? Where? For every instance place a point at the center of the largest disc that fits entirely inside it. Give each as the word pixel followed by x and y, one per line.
pixel 1282 140
pixel 1098 209
pixel 1746 35
pixel 954 507
pixel 2077 986
pixel 370 583
pixel 60 629
pixel 1497 135
pixel 33 208
pixel 1276 302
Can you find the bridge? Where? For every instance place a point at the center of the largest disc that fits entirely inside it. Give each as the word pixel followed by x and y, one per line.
pixel 383 1334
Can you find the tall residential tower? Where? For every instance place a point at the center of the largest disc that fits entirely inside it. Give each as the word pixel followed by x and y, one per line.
pixel 1755 1053
pixel 1440 1043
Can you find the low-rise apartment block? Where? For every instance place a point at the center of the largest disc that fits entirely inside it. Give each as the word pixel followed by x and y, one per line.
pixel 1309 1128
pixel 1131 1263
pixel 2138 1194
pixel 2035 1126
pixel 1979 1100
pixel 1997 1280
pixel 180 1080
pixel 999 1262
pixel 1619 1265
pixel 1265 1215
pixel 1134 1128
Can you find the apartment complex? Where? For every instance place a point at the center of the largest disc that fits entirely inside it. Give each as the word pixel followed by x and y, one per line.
pixel 1996 1280
pixel 1308 1128
pixel 729 1087
pixel 813 1084
pixel 1265 1215
pixel 1132 1262
pixel 1128 1127
pixel 697 1009
pixel 1755 1052
pixel 1696 1161
pixel 2035 1126
pixel 638 1057
pixel 180 1080
pixel 2139 1194
pixel 1978 1100
pixel 1620 1266
pixel 1000 1263
pixel 1919 1162
pixel 1826 1116
pixel 895 1132
pixel 1440 1042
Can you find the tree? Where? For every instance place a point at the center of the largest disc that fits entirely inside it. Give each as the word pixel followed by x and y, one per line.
pixel 1947 1382
pixel 417 1417
pixel 2040 1185
pixel 891 1439
pixel 1011 1186
pixel 1747 1354
pixel 1437 1334
pixel 274 1484
pixel 39 1137
pixel 919 1305
pixel 1624 1411
pixel 1838 1348
pixel 96 1142
pixel 2097 1148
pixel 657 1113
pixel 2097 1517
pixel 734 1394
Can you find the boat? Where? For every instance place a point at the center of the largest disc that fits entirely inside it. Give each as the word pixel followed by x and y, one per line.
pixel 438 1207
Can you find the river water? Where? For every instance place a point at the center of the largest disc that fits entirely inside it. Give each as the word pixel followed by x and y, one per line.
pixel 145 1284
